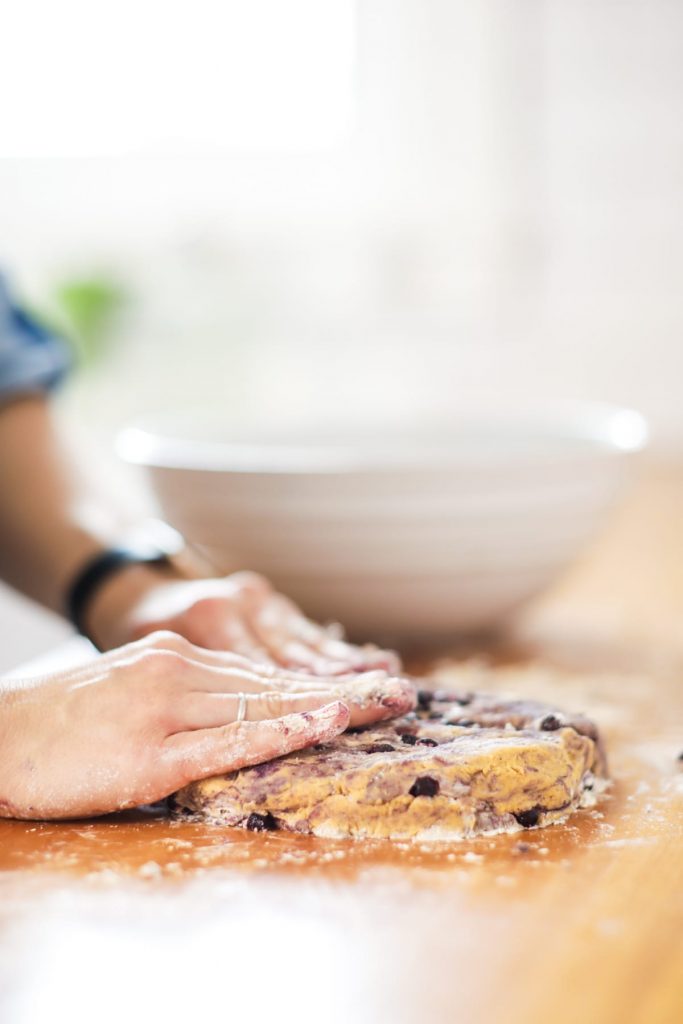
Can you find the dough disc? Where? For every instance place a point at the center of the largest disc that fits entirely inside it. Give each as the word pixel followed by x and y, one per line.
pixel 459 766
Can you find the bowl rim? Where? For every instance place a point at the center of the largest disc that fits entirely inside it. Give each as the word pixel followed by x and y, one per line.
pixel 591 428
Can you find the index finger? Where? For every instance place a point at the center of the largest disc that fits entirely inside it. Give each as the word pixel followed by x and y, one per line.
pixel 204 752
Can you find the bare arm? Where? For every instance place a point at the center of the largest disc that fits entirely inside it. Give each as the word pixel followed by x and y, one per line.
pixel 51 523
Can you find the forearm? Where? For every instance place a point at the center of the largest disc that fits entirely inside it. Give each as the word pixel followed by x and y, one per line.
pixel 51 521
pixel 44 535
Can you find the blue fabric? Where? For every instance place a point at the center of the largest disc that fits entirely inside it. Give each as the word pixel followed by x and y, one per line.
pixel 31 358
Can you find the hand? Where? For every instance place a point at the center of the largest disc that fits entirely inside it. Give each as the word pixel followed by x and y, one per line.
pixel 137 724
pixel 240 613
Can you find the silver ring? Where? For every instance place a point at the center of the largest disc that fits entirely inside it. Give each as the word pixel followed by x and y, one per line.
pixel 242 707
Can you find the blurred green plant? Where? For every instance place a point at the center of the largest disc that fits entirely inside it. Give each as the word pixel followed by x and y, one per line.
pixel 89 308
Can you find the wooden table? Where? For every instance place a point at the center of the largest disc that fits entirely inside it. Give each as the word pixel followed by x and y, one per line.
pixel 135 917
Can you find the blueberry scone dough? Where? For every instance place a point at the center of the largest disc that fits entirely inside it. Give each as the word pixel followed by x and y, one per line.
pixel 460 765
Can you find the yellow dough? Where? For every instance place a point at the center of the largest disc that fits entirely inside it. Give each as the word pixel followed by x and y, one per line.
pixel 458 767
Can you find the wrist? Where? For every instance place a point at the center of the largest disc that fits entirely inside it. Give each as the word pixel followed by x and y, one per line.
pixel 109 618
pixel 108 588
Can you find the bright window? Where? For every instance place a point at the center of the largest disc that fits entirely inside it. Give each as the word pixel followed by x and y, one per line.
pixel 80 78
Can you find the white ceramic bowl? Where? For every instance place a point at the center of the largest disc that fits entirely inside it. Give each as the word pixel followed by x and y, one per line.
pixel 406 533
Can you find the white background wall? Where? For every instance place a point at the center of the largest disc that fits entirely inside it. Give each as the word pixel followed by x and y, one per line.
pixel 490 202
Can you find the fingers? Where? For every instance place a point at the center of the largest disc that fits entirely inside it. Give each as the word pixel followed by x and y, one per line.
pixel 293 640
pixel 364 658
pixel 371 698
pixel 248 678
pixel 233 672
pixel 277 677
pixel 229 629
pixel 198 689
pixel 225 672
pixel 205 752
pixel 280 676
pixel 374 697
pixel 360 659
pixel 289 636
pixel 230 632
pixel 293 653
pixel 212 615
pixel 284 631
pixel 212 710
pixel 192 671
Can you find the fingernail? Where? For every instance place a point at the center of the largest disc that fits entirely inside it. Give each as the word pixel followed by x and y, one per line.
pixel 331 711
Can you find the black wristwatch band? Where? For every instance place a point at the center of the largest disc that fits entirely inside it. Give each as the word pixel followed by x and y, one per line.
pixel 99 569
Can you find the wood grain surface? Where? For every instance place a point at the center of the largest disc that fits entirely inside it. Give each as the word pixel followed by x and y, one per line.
pixel 135 916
